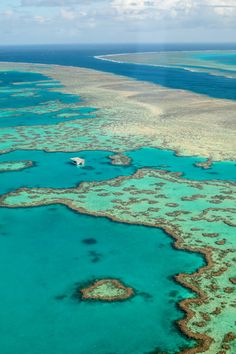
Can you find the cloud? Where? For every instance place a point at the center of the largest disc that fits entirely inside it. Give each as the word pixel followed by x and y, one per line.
pixel 222 7
pixel 8 13
pixel 123 20
pixel 40 19
pixel 145 9
pixel 68 15
pixel 177 13
pixel 49 3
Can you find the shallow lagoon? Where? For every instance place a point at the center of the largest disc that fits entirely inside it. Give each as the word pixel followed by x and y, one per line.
pixel 168 160
pixel 54 170
pixel 44 251
pixel 27 99
pixel 11 119
pixel 20 89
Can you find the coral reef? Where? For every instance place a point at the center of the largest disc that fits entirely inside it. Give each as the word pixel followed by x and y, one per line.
pixel 106 290
pixel 147 198
pixel 7 166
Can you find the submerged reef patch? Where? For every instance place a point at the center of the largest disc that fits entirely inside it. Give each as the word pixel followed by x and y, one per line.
pixel 120 160
pixel 8 166
pixel 89 241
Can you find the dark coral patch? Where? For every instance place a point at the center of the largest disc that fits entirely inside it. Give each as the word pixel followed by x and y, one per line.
pixel 95 256
pixel 89 241
pixel 173 293
pixel 60 297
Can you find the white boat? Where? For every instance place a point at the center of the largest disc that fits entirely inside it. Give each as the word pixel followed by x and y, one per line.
pixel 78 161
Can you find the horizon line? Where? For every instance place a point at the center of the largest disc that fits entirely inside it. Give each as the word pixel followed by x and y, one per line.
pixel 116 43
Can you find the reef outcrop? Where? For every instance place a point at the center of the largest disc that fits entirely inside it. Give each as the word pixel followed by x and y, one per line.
pixel 106 290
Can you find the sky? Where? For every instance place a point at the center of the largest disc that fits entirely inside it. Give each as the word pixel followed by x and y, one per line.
pixel 117 21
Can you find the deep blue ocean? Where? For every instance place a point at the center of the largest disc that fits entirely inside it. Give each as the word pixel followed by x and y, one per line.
pixel 83 56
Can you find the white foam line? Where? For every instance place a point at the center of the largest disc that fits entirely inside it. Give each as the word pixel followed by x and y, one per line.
pixel 105 57
pixel 167 52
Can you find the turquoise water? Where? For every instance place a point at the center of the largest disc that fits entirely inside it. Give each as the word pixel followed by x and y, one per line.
pixel 26 119
pixel 167 160
pixel 225 57
pixel 13 77
pixel 38 98
pixel 54 170
pixel 45 251
pixel 21 92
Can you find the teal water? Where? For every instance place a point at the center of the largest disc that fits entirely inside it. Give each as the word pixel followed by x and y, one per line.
pixel 54 170
pixel 23 118
pixel 21 92
pixel 16 77
pixel 167 160
pixel 224 57
pixel 45 251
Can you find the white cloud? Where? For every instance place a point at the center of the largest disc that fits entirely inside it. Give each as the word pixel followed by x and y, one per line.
pixel 181 11
pixel 8 13
pixel 139 5
pixel 68 15
pixel 40 19
pixel 223 7
pixel 49 3
pixel 103 20
pixel 144 9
